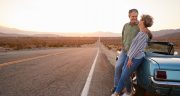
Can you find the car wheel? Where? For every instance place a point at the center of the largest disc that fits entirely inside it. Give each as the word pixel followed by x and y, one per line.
pixel 137 90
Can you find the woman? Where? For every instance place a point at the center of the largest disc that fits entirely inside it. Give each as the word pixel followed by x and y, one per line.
pixel 135 55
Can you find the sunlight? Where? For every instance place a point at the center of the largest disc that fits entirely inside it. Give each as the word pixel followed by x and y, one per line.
pixel 84 15
pixel 48 16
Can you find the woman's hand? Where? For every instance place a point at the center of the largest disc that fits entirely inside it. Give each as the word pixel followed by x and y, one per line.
pixel 129 64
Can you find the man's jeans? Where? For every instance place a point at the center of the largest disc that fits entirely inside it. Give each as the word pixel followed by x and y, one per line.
pixel 118 67
pixel 125 81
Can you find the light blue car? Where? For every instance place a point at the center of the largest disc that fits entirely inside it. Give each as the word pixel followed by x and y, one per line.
pixel 160 72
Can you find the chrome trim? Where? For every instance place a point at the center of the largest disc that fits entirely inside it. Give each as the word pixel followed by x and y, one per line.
pixel 165 83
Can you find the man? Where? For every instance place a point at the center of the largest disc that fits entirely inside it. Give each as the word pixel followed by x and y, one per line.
pixel 129 31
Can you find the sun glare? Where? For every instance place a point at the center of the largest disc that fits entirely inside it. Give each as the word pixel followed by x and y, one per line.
pixel 84 15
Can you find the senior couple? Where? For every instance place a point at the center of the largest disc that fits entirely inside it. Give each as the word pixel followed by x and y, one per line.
pixel 135 36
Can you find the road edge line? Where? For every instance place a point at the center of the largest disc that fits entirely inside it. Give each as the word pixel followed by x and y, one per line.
pixel 89 78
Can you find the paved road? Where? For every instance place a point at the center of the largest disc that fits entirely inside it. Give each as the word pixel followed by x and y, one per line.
pixel 54 72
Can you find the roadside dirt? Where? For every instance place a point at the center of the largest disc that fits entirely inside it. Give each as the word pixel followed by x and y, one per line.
pixel 111 54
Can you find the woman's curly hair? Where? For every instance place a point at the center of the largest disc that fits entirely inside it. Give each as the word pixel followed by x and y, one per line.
pixel 148 20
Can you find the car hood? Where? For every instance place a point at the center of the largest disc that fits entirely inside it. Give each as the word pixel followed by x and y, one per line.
pixel 170 63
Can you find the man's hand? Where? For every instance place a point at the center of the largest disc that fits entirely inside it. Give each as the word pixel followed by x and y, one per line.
pixel 129 64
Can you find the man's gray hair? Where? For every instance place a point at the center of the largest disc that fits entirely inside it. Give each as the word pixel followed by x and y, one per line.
pixel 133 10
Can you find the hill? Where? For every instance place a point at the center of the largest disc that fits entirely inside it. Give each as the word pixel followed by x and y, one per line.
pixel 13 32
pixel 170 32
pixel 172 35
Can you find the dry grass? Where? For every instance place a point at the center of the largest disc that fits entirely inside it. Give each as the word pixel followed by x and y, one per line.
pixel 17 43
pixel 115 42
pixel 112 42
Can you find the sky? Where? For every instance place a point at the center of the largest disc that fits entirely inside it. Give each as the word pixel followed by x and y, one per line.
pixel 85 15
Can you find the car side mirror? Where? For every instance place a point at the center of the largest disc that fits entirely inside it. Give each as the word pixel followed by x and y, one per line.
pixel 176 53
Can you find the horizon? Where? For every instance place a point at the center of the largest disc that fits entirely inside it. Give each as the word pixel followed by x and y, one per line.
pixel 84 16
pixel 10 28
pixel 14 32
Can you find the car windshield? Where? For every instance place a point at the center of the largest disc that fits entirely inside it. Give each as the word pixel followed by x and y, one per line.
pixel 159 48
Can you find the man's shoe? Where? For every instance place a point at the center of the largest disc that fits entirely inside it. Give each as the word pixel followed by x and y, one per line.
pixel 115 94
pixel 113 89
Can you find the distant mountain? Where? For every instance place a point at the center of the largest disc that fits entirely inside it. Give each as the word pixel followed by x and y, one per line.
pixel 13 32
pixel 11 35
pixel 5 32
pixel 91 34
pixel 10 31
pixel 166 32
pixel 172 35
pixel 2 34
pixel 104 34
pixel 46 35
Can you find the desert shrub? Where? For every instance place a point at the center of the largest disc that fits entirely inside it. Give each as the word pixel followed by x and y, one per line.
pixel 112 42
pixel 18 43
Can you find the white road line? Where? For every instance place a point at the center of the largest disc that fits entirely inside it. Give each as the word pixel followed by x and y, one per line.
pixel 88 81
pixel 27 59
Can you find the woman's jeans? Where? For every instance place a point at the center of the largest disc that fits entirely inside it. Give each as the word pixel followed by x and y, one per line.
pixel 118 67
pixel 125 81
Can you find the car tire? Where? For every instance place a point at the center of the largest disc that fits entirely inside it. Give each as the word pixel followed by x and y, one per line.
pixel 137 90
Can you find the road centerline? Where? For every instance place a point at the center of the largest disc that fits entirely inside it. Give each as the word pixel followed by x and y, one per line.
pixel 89 78
pixel 26 59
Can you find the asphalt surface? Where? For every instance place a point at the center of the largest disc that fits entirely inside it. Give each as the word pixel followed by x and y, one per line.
pixel 54 72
